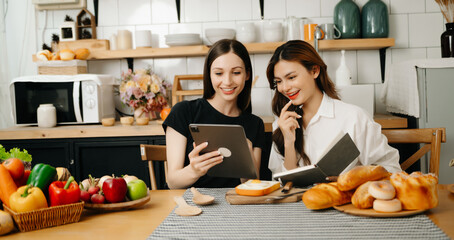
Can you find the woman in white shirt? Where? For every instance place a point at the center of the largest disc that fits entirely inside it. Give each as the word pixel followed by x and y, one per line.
pixel 311 114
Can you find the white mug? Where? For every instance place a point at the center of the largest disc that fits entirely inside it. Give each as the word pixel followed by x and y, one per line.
pixel 143 38
pixel 330 31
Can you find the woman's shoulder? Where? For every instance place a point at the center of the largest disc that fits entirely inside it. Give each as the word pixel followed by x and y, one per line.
pixel 349 110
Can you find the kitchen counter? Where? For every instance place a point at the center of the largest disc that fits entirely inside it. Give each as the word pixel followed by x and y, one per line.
pixel 154 128
pixel 140 223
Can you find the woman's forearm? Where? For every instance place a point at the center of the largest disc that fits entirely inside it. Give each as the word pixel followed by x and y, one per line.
pixel 182 178
pixel 290 161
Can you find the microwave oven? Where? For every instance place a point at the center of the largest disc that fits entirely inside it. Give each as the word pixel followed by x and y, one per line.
pixel 78 99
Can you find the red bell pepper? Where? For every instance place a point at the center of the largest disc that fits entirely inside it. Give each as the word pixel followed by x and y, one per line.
pixel 62 193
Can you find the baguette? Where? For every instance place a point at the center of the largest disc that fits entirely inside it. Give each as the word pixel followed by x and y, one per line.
pixel 360 174
pixel 325 195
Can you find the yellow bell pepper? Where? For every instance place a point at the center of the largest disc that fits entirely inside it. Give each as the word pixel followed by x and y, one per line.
pixel 27 198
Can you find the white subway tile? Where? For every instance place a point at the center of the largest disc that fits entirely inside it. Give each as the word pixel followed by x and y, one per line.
pixel 167 68
pixel 111 67
pixel 60 15
pixel 425 29
pixel 407 6
pixel 185 28
pixel 369 67
pixel 432 6
pixel 380 107
pixel 306 8
pixel 273 9
pixel 165 11
pixel 108 13
pixel 327 8
pixel 195 65
pixel 260 64
pixel 134 12
pixel 200 10
pixel 261 101
pixel 434 52
pixel 106 32
pixel 398 29
pixel 230 10
pixel 144 63
pixel 400 55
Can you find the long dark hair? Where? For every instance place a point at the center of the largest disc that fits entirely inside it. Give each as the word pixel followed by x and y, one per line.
pixel 218 49
pixel 303 53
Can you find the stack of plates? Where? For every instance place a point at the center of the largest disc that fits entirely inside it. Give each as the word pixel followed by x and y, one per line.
pixel 183 39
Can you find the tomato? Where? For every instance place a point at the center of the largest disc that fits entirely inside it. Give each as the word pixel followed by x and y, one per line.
pixel 15 167
pixel 164 113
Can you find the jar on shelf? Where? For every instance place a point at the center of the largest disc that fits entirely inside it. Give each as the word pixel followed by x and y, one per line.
pixel 347 19
pixel 447 41
pixel 375 20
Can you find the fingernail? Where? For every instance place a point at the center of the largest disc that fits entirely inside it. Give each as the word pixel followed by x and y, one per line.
pixel 206 143
pixel 299 116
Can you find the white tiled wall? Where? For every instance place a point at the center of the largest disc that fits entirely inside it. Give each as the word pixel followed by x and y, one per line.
pixel 416 26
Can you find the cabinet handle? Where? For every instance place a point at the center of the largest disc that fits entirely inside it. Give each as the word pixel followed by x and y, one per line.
pixel 71 162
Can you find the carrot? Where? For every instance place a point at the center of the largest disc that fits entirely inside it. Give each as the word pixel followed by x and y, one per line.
pixel 7 185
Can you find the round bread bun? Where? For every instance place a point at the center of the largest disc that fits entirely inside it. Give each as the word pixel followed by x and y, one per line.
pixel 67 54
pixel 82 53
pixel 359 175
pixel 44 55
pixel 416 191
pixel 56 56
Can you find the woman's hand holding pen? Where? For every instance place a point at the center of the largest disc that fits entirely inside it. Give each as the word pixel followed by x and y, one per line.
pixel 288 124
pixel 200 164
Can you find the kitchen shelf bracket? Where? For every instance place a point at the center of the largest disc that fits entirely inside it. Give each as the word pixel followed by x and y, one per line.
pixel 130 63
pixel 382 52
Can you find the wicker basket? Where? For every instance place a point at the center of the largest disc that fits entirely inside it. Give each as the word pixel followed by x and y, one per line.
pixel 46 217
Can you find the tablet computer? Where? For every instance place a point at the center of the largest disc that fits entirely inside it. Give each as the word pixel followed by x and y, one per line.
pixel 231 142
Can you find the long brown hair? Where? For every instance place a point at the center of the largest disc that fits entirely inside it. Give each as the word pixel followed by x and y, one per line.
pixel 218 49
pixel 303 53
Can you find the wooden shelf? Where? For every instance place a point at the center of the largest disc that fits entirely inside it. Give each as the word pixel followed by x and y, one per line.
pixel 253 48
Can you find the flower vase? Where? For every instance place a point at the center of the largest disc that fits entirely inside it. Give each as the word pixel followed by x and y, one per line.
pixel 140 112
pixel 347 19
pixel 447 41
pixel 375 20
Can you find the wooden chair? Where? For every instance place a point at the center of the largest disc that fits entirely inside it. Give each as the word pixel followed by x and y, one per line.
pixel 152 153
pixel 177 91
pixel 430 138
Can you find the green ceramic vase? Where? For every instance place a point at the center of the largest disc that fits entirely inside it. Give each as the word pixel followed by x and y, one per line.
pixel 375 20
pixel 348 19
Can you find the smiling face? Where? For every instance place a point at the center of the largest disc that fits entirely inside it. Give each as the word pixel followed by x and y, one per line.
pixel 295 82
pixel 228 77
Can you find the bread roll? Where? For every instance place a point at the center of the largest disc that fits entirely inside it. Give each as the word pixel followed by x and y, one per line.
pixel 362 198
pixel 66 55
pixel 325 195
pixel 416 191
pixel 44 55
pixel 359 175
pixel 82 53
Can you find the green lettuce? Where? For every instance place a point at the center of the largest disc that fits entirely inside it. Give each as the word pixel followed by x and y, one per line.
pixel 15 153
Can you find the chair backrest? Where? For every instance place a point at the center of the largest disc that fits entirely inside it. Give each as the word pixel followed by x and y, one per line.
pixel 430 140
pixel 177 90
pixel 152 153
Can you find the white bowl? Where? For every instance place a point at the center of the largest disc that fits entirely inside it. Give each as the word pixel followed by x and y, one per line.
pixel 215 34
pixel 245 32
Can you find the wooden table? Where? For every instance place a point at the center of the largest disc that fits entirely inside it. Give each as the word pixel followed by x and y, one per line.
pixel 140 223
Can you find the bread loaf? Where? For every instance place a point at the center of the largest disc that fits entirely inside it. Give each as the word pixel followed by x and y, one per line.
pixel 325 195
pixel 416 191
pixel 360 174
pixel 361 197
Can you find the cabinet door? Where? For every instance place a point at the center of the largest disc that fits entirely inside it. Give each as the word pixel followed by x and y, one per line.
pixel 53 152
pixel 110 156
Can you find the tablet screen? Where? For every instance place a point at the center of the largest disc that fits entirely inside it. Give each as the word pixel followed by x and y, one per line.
pixel 231 142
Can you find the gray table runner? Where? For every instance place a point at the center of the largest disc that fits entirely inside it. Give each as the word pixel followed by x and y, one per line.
pixel 287 220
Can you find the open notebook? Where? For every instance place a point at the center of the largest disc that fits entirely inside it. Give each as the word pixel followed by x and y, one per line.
pixel 339 155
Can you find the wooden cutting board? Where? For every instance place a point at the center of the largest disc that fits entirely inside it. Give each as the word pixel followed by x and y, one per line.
pixel 236 199
pixel 91 44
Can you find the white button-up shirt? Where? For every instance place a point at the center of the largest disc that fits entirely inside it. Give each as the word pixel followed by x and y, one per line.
pixel 335 117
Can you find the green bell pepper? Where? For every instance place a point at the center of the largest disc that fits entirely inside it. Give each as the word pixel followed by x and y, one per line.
pixel 41 176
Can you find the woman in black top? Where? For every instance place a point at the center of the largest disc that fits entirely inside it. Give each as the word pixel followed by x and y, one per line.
pixel 227 81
